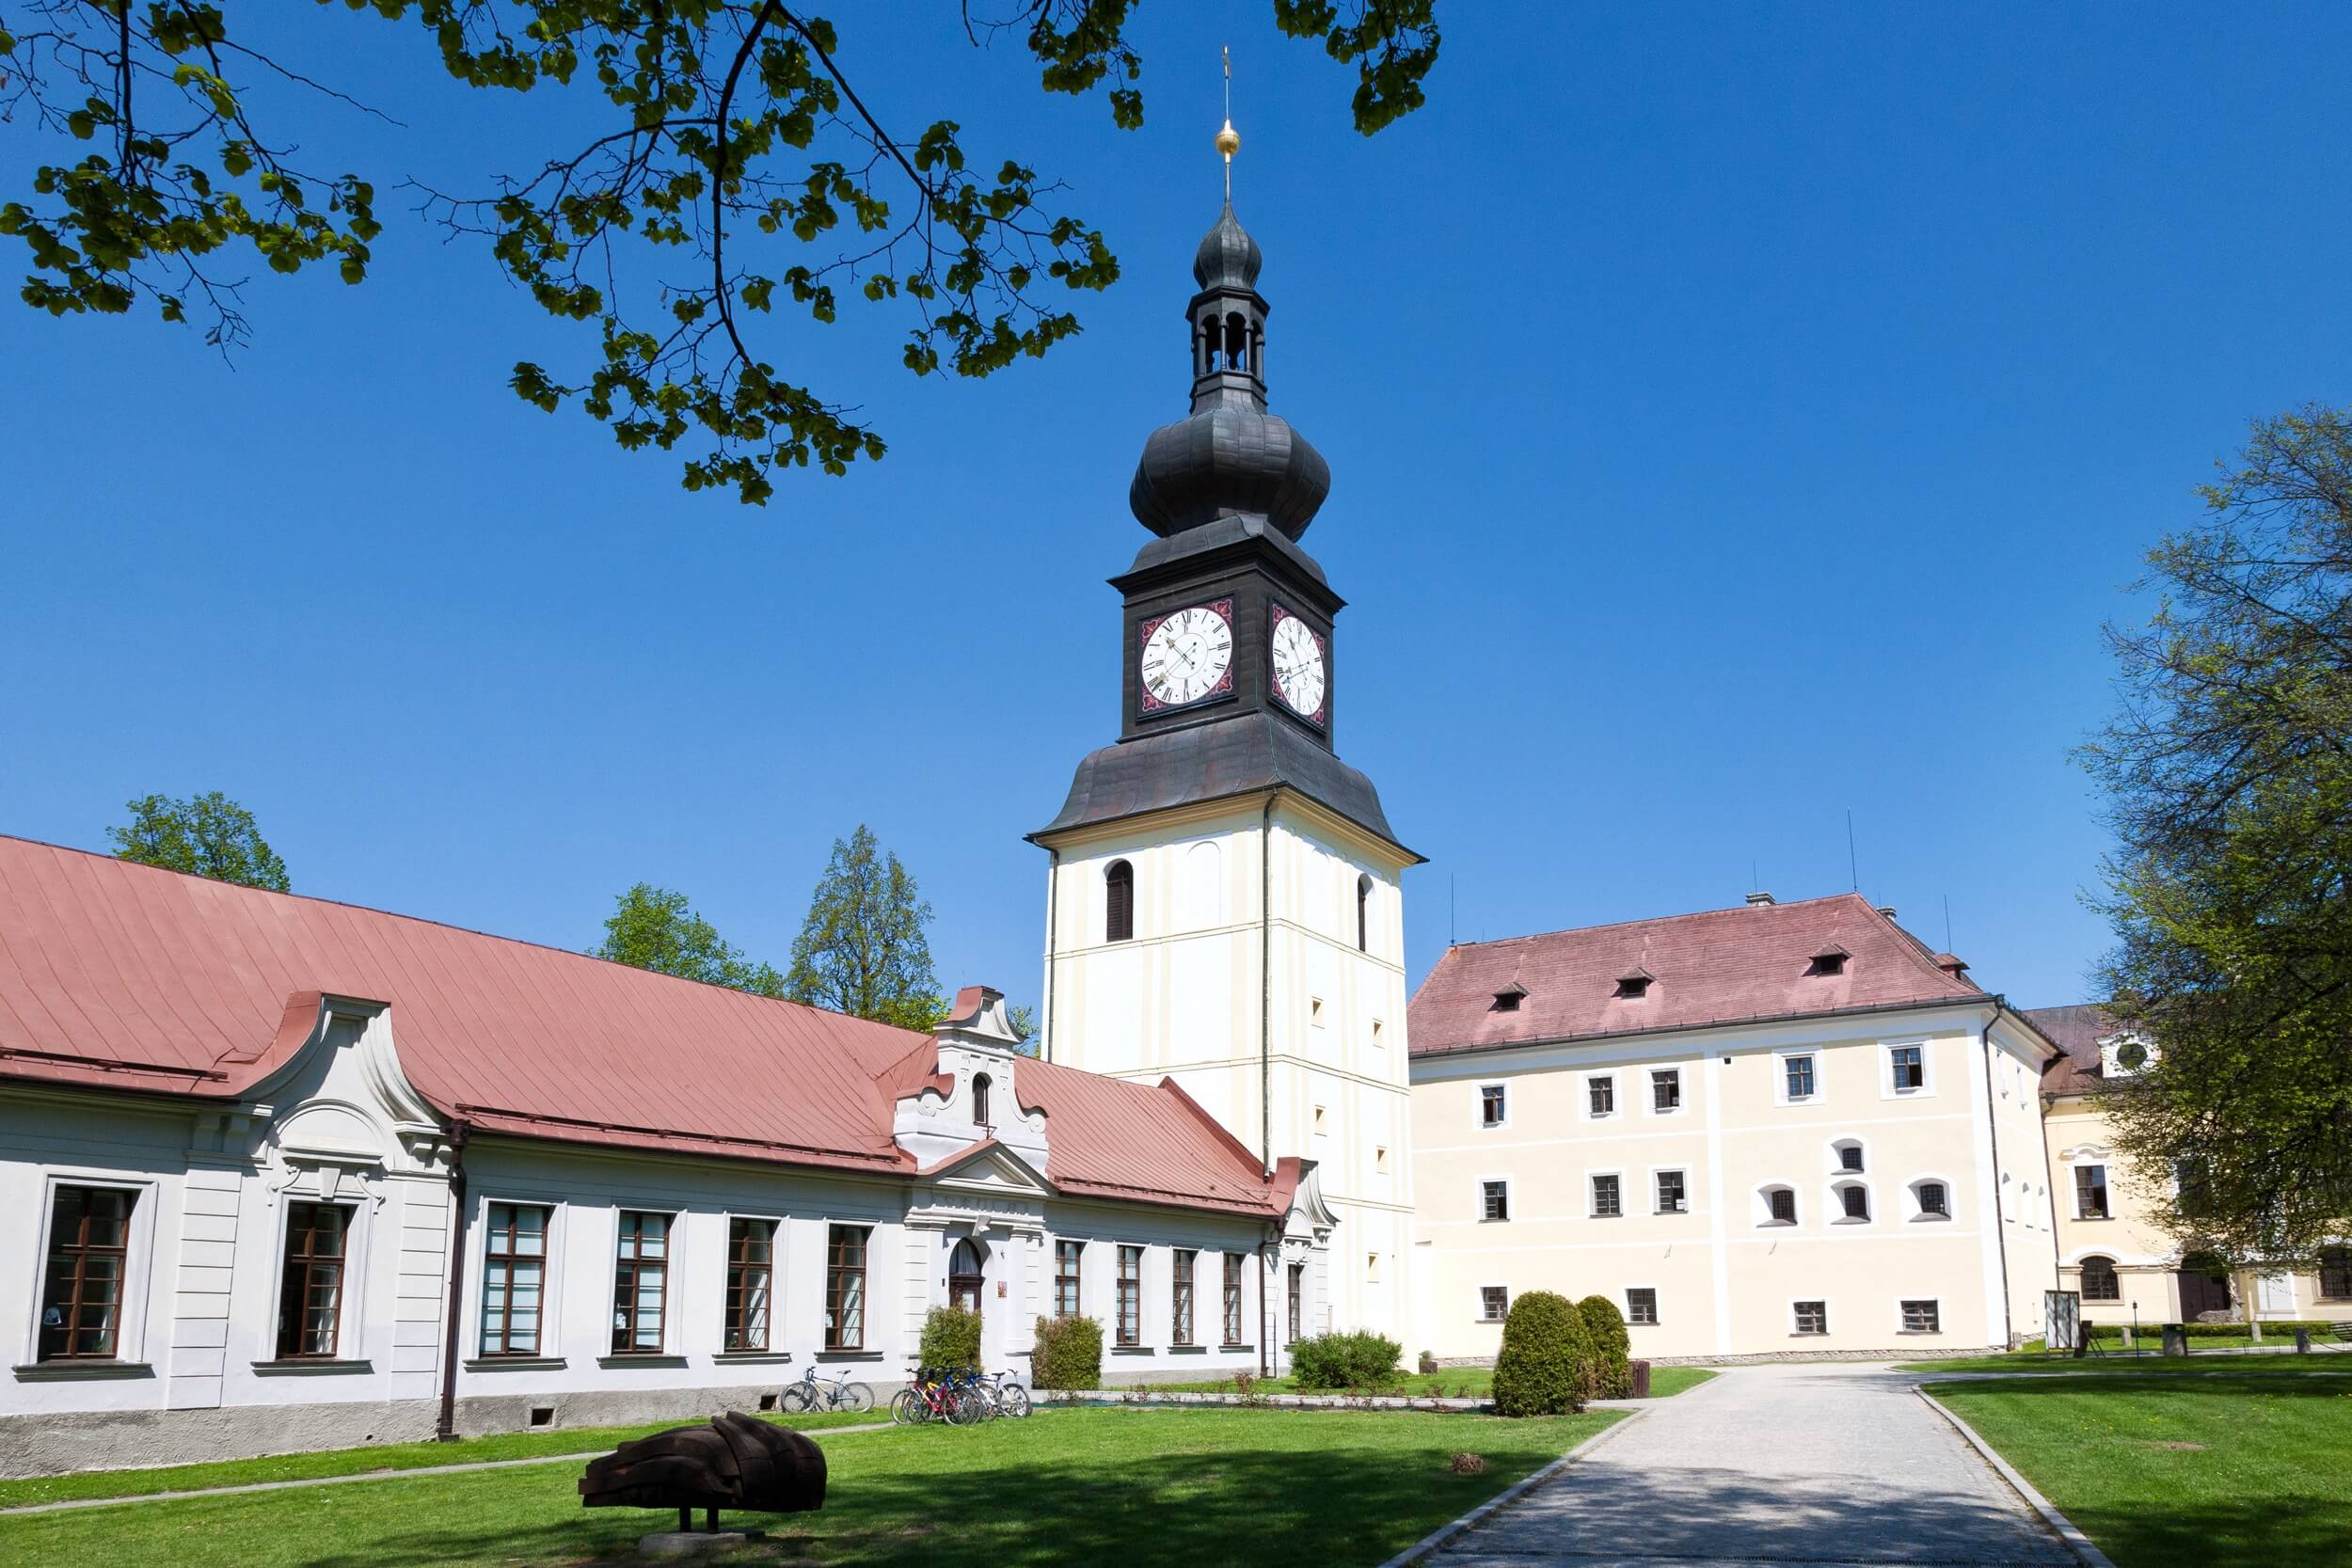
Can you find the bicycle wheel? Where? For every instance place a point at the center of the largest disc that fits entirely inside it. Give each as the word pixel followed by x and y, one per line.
pixel 964 1408
pixel 853 1396
pixel 1014 1399
pixel 795 1398
pixel 907 1407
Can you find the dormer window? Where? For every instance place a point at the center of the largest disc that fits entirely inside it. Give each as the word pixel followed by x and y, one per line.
pixel 1634 984
pixel 1829 960
pixel 1508 999
pixel 980 1099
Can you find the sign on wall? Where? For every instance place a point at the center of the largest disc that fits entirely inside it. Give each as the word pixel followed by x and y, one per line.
pixel 2061 1318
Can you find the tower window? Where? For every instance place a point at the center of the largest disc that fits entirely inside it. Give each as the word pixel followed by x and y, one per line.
pixel 1363 904
pixel 1119 902
pixel 980 1099
pixel 1236 342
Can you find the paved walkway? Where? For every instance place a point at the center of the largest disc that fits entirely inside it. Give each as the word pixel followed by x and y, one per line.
pixel 1829 1463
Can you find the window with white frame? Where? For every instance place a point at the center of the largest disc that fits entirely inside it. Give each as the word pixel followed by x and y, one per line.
pixel 1665 1091
pixel 514 1278
pixel 640 1283
pixel 1641 1305
pixel 1491 1105
pixel 2091 1192
pixel 1907 1068
pixel 1600 1095
pixel 1848 1154
pixel 1672 1197
pixel 310 1281
pixel 1797 1077
pixel 1494 1200
pixel 1853 1203
pixel 1780 1206
pixel 1608 1195
pixel 1930 1199
pixel 1812 1316
pixel 751 1271
pixel 1923 1317
pixel 1494 1303
pixel 89 1261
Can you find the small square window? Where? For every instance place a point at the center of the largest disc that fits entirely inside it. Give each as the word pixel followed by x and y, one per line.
pixel 1314 1011
pixel 1813 1317
pixel 1494 1304
pixel 1670 1192
pixel 1608 1197
pixel 1380 1160
pixel 1909 1066
pixel 1855 1200
pixel 1372 1268
pixel 1935 1200
pixel 1601 1094
pixel 1800 1071
pixel 1319 1126
pixel 1377 1042
pixel 1784 1204
pixel 1666 1090
pixel 1491 1106
pixel 1922 1316
pixel 1848 1156
pixel 1494 1198
pixel 1641 1306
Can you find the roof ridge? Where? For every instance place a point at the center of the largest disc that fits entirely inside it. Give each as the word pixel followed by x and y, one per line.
pixel 1744 909
pixel 437 925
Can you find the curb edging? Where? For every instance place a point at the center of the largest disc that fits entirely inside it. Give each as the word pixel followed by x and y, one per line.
pixel 2060 1525
pixel 1445 1534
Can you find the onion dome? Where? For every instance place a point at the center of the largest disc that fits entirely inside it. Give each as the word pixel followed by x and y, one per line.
pixel 1231 457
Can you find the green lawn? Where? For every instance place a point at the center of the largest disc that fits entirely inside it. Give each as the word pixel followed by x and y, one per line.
pixel 352 1462
pixel 1470 1382
pixel 2129 1366
pixel 1134 1487
pixel 2182 1471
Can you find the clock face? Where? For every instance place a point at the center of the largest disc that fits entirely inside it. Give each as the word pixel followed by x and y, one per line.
pixel 1188 656
pixel 1300 679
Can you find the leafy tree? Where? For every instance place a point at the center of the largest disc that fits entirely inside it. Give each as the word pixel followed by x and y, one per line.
pixel 207 836
pixel 653 928
pixel 1024 1022
pixel 1547 1364
pixel 726 145
pixel 2228 772
pixel 863 949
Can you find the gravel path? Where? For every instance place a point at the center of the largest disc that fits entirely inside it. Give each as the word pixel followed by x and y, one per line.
pixel 1829 1463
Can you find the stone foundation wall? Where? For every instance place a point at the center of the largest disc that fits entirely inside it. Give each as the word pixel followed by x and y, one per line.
pixel 1907 1352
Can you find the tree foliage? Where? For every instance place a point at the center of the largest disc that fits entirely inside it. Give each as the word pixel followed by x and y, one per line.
pixel 1613 1347
pixel 653 928
pixel 2228 772
pixel 210 835
pixel 1546 1365
pixel 951 1339
pixel 863 949
pixel 736 168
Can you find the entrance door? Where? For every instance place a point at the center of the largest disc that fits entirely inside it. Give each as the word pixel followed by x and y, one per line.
pixel 2201 1293
pixel 965 1275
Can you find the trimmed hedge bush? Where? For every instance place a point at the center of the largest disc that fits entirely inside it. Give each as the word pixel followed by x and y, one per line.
pixel 951 1337
pixel 1357 1361
pixel 1613 1348
pixel 1068 1353
pixel 1548 1367
pixel 2153 1330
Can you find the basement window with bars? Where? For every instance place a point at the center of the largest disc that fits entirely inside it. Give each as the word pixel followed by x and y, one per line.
pixel 1494 1304
pixel 1923 1317
pixel 1641 1306
pixel 1813 1317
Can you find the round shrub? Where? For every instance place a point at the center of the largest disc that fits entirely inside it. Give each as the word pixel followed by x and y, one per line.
pixel 1068 1353
pixel 1612 1348
pixel 951 1338
pixel 1546 1365
pixel 1356 1360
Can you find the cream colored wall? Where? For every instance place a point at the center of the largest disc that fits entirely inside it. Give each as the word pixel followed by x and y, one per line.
pixel 1182 999
pixel 2145 1254
pixel 1727 1278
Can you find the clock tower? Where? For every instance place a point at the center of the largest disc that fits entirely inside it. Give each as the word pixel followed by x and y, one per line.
pixel 1224 904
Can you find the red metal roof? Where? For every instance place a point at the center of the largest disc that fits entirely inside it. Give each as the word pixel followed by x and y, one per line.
pixel 132 978
pixel 1720 966
pixel 2077 1030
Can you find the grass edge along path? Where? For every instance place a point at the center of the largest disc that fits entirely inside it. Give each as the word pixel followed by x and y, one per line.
pixel 2179 1471
pixel 381 1459
pixel 1253 1489
pixel 2034 1364
pixel 1460 1381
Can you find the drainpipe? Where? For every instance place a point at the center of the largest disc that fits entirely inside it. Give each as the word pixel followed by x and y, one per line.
pixel 1266 1311
pixel 1993 1127
pixel 2049 1179
pixel 1053 938
pixel 446 1429
pixel 1266 986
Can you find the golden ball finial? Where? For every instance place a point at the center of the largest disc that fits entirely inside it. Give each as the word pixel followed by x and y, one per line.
pixel 1229 140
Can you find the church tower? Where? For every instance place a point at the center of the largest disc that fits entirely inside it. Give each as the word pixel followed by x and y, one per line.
pixel 1224 904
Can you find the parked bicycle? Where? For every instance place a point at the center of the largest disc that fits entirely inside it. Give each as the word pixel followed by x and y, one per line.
pixel 933 1395
pixel 1009 1399
pixel 812 1393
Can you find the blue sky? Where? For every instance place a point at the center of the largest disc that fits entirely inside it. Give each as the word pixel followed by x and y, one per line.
pixel 1739 416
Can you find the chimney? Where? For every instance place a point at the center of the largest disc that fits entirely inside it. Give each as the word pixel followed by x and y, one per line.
pixel 1952 966
pixel 1887 909
pixel 1761 900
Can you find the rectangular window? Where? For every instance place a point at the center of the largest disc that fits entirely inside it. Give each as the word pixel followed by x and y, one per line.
pixel 1666 1090
pixel 751 1275
pixel 1180 1300
pixel 845 1286
pixel 1813 1317
pixel 1232 1300
pixel 1922 1316
pixel 1601 1094
pixel 89 1250
pixel 1494 1200
pixel 1494 1304
pixel 1857 1199
pixel 1784 1206
pixel 514 1270
pixel 311 1286
pixel 1910 1068
pixel 1932 1199
pixel 1067 1255
pixel 1800 1069
pixel 1848 1156
pixel 2335 1273
pixel 1298 1302
pixel 1670 1194
pixel 1130 1302
pixel 1641 1306
pixel 2091 1192
pixel 1491 1106
pixel 1608 1202
pixel 640 1283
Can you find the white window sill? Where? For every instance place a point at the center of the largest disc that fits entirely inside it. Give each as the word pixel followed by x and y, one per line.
pixel 516 1363
pixel 849 1356
pixel 750 1357
pixel 301 1366
pixel 1133 1350
pixel 640 1358
pixel 74 1371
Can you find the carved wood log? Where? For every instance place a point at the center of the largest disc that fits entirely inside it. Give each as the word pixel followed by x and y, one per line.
pixel 731 1461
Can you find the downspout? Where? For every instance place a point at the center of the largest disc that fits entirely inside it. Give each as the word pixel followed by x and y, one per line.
pixel 1266 986
pixel 2049 1180
pixel 1993 1127
pixel 445 1431
pixel 1266 1311
pixel 1052 952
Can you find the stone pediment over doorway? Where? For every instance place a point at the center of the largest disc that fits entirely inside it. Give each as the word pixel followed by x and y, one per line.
pixel 988 1167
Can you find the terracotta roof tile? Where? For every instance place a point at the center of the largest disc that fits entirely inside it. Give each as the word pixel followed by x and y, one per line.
pixel 2077 1030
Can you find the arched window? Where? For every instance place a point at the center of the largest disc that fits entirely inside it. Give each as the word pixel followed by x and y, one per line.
pixel 963 1275
pixel 1364 913
pixel 980 1099
pixel 1236 342
pixel 2099 1281
pixel 1780 1206
pixel 1119 902
pixel 1853 1204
